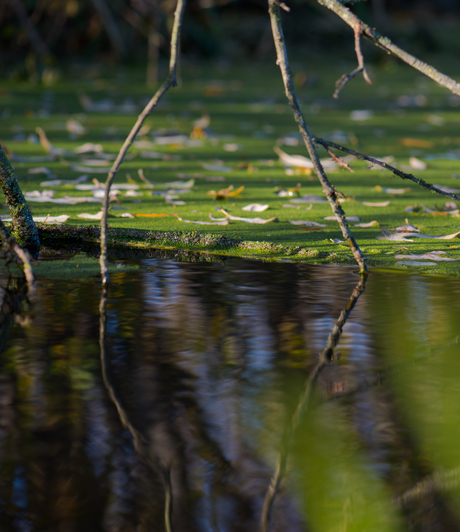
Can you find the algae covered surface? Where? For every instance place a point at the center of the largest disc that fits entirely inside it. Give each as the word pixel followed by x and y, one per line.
pixel 209 146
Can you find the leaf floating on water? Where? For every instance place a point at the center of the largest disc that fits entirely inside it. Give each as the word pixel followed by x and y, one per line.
pixel 415 263
pixel 220 222
pixel 416 143
pixel 337 241
pixel 95 162
pixel 46 219
pixel 225 193
pixel 448 189
pixel 392 190
pixel 309 199
pixel 408 228
pixel 361 115
pixel 417 164
pixel 150 215
pixel 181 184
pixel 232 147
pixel 40 170
pixel 89 169
pixel 299 161
pixel 374 223
pixel 388 235
pixel 88 216
pixel 347 218
pixel 88 147
pixel 307 223
pixel 434 255
pixel 216 167
pixel 255 207
pixel 381 204
pixel 247 220
pixel 58 182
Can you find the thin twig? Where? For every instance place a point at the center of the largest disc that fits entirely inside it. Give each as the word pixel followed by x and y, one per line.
pixel 340 84
pixel 325 358
pixel 403 175
pixel 340 161
pixel 171 81
pixel 385 44
pixel 282 61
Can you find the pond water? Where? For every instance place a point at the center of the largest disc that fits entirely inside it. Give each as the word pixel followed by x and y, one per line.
pixel 202 406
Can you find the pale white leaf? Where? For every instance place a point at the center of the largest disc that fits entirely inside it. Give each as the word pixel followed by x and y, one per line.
pixel 361 115
pixel 417 164
pixel 307 223
pixel 309 199
pixel 40 170
pixel 89 147
pixel 381 204
pixel 232 147
pixel 127 215
pixel 216 167
pixel 248 220
pixel 427 256
pixel 220 222
pixel 89 169
pixel 374 223
pixel 348 218
pixel 255 207
pixel 57 182
pixel 415 263
pixel 88 216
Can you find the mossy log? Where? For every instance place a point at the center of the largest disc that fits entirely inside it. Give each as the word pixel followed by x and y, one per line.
pixel 24 230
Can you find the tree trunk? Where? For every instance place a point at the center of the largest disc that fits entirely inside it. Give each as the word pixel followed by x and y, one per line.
pixel 24 230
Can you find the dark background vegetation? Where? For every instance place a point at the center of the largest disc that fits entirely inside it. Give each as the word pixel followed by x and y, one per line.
pixel 40 34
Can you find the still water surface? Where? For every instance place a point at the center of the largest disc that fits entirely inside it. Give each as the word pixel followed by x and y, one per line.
pixel 211 412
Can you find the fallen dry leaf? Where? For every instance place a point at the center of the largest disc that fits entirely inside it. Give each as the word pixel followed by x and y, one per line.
pixel 225 193
pixel 415 263
pixel 381 204
pixel 307 223
pixel 46 219
pixel 88 216
pixel 216 167
pixel 309 199
pixel 417 164
pixel 436 256
pixel 219 222
pixel 299 161
pixel 388 235
pixel 416 143
pixel 247 220
pixel 348 218
pixel 374 223
pixel 255 207
pixel 149 215
pixel 392 190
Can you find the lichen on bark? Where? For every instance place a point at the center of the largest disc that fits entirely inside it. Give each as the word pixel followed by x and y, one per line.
pixel 24 230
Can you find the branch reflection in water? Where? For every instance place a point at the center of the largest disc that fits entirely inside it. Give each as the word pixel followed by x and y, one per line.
pixel 325 358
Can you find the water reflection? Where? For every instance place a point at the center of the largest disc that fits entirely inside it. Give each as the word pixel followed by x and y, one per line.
pixel 202 369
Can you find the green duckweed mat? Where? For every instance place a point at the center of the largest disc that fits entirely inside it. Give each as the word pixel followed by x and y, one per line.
pixel 403 115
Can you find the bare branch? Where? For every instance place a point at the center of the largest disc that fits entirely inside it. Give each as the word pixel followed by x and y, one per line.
pixel 385 44
pixel 325 358
pixel 282 61
pixel 171 81
pixel 340 84
pixel 403 175
pixel 31 31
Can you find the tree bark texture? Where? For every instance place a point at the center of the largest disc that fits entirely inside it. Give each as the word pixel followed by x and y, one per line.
pixel 24 230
